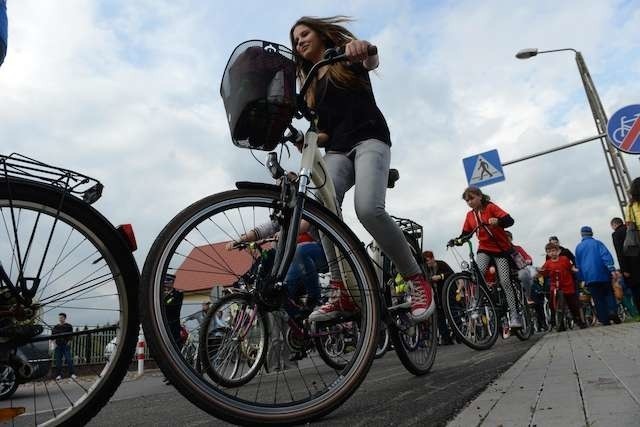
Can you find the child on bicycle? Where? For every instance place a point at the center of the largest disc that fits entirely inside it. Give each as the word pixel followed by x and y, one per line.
pixel 489 221
pixel 356 138
pixel 302 276
pixel 559 270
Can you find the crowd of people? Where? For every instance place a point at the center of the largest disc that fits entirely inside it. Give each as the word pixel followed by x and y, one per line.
pixel 588 277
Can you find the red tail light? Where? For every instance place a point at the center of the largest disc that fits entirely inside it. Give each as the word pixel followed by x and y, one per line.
pixel 127 232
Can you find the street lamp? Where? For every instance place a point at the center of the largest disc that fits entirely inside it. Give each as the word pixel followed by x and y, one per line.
pixel 617 168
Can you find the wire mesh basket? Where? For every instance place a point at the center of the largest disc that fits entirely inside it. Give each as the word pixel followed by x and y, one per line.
pixel 410 228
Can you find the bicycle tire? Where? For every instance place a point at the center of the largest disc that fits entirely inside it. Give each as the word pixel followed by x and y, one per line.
pixel 407 346
pixel 489 322
pixel 415 345
pixel 8 382
pixel 231 336
pixel 90 225
pixel 526 331
pixel 204 393
pixel 561 318
pixel 332 347
pixel 383 344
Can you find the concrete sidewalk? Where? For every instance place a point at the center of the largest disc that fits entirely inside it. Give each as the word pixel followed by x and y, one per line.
pixel 587 377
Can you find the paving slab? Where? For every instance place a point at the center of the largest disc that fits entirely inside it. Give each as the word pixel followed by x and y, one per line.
pixel 588 377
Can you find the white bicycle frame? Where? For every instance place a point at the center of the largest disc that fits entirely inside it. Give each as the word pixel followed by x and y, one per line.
pixel 314 169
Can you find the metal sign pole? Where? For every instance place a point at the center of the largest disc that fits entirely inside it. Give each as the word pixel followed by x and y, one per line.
pixel 617 167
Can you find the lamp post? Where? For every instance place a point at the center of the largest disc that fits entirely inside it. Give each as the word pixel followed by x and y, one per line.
pixel 615 162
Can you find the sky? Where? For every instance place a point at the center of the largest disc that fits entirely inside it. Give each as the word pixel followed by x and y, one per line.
pixel 127 91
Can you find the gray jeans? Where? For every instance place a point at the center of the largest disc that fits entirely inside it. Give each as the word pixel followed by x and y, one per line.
pixel 366 167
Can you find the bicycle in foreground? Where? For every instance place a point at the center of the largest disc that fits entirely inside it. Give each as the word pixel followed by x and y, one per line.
pixel 258 89
pixel 477 311
pixel 59 254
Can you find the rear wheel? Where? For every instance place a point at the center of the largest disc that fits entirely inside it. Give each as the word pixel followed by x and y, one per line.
pixel 415 343
pixel 192 250
pixel 82 267
pixel 470 311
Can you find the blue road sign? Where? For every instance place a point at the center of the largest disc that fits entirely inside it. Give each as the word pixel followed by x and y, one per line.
pixel 483 169
pixel 624 129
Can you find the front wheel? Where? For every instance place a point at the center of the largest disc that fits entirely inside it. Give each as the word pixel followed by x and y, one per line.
pixel 190 253
pixel 470 311
pixel 526 331
pixel 234 331
pixel 8 382
pixel 561 315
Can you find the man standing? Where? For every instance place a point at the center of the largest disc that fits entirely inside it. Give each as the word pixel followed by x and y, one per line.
pixel 437 272
pixel 63 347
pixel 629 266
pixel 595 267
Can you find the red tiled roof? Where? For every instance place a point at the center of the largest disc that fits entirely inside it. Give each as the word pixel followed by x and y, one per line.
pixel 211 265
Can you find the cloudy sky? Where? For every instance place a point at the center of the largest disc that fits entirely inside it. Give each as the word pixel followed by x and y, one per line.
pixel 128 91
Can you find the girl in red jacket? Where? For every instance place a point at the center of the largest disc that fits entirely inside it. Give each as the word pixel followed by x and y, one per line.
pixel 494 245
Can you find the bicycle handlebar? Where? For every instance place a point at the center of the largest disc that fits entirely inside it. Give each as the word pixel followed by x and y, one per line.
pixel 252 245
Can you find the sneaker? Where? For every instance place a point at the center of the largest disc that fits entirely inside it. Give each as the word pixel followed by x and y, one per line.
pixel 73 376
pixel 422 302
pixel 339 303
pixel 59 377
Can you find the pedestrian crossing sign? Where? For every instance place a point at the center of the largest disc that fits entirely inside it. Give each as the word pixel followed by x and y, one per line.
pixel 483 169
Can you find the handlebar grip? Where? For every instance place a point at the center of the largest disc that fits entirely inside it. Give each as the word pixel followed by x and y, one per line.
pixel 338 51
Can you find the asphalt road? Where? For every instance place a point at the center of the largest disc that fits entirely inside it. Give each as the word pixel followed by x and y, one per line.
pixel 389 395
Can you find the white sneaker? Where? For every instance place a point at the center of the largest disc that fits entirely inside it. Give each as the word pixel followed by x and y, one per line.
pixel 73 376
pixel 59 377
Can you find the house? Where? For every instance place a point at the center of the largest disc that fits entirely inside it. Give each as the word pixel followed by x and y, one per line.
pixel 208 269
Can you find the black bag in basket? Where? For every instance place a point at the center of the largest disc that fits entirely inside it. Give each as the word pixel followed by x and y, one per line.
pixel 258 90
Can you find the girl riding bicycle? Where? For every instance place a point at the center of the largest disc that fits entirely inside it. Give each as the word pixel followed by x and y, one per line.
pixel 358 150
pixel 494 244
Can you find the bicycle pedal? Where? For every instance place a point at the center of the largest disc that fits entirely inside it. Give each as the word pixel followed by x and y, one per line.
pixel 404 306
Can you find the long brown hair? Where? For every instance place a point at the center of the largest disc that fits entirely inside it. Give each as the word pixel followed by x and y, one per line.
pixel 333 35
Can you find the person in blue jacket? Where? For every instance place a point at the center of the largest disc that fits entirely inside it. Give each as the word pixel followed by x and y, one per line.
pixel 596 269
pixel 3 30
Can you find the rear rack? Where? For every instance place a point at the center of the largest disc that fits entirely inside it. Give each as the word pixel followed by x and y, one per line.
pixel 20 166
pixel 410 228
